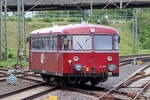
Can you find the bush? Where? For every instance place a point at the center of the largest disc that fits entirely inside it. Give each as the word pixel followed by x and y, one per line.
pixel 47 19
pixel 9 62
pixel 28 19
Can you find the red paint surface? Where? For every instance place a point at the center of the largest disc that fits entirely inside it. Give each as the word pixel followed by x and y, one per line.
pixel 50 62
pixel 98 60
pixel 60 64
pixel 86 29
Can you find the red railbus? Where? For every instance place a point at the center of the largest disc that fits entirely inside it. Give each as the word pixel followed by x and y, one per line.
pixel 75 53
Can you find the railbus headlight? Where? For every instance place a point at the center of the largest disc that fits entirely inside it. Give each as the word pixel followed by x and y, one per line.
pixel 69 62
pixel 112 67
pixel 77 67
pixel 109 58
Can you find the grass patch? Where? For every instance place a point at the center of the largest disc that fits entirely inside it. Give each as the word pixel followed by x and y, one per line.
pixel 11 62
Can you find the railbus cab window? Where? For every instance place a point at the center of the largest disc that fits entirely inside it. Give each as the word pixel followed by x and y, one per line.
pixel 44 43
pixel 82 42
pixel 103 42
pixel 65 42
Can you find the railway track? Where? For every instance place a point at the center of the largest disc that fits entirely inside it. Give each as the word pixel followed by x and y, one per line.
pixel 50 89
pixel 134 81
pixel 124 60
pixel 29 80
pixel 123 90
pixel 29 92
pixel 35 80
pixel 20 90
pixel 99 92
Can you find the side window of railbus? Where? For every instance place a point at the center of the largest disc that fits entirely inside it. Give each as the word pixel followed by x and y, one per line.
pixel 35 43
pixel 42 43
pixel 54 42
pixel 65 42
pixel 50 42
pixel 103 42
pixel 47 43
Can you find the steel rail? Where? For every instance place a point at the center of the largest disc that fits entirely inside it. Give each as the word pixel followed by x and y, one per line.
pixel 1 80
pixel 29 79
pixel 104 95
pixel 3 69
pixel 139 55
pixel 135 79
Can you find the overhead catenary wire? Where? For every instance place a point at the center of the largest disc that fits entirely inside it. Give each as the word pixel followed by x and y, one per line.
pixel 111 2
pixel 36 4
pixel 80 8
pixel 127 4
pixel 114 3
pixel 103 8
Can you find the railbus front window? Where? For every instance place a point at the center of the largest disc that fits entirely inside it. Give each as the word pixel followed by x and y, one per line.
pixel 103 42
pixel 82 42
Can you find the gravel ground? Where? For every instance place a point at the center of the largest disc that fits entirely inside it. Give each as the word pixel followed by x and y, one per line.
pixel 125 72
pixel 27 93
pixel 147 93
pixel 67 95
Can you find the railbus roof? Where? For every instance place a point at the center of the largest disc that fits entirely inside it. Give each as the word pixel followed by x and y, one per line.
pixel 75 29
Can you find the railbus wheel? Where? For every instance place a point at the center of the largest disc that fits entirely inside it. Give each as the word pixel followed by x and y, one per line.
pixel 62 82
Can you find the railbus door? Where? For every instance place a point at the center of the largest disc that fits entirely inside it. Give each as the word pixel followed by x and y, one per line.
pixel 60 55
